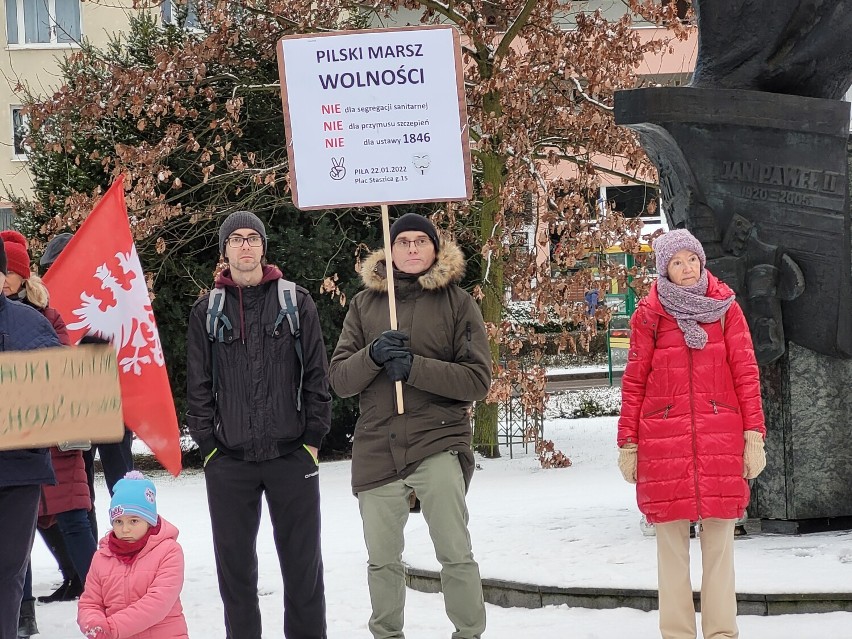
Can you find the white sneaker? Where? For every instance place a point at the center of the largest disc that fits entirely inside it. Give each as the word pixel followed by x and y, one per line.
pixel 649 530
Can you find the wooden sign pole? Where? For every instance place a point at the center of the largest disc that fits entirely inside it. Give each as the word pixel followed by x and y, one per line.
pixel 400 408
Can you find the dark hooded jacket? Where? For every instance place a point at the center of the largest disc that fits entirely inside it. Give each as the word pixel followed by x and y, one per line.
pixel 23 328
pixel 253 414
pixel 451 369
pixel 71 491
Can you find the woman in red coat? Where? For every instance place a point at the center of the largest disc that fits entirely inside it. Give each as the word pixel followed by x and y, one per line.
pixel 691 430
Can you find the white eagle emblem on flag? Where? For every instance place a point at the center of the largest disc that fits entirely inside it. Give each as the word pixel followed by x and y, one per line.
pixel 128 323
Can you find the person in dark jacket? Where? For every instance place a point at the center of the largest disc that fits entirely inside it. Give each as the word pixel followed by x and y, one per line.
pixel 22 472
pixel 66 504
pixel 440 354
pixel 256 438
pixel 116 459
pixel 691 430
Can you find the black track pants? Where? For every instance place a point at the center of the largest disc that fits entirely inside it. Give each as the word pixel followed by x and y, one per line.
pixel 291 485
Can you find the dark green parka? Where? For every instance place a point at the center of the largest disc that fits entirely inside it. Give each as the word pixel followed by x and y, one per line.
pixel 451 369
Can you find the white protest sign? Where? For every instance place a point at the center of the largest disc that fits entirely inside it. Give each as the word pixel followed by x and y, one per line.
pixel 375 117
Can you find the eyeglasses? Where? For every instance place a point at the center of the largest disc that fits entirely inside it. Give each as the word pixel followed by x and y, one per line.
pixel 236 241
pixel 419 243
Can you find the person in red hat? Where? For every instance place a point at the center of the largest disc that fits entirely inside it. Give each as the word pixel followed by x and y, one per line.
pixel 22 285
pixel 17 260
pixel 68 502
pixel 22 472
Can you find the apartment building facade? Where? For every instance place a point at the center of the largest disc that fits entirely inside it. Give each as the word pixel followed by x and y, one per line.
pixel 37 34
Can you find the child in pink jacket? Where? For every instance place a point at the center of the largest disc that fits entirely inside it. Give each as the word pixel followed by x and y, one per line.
pixel 133 587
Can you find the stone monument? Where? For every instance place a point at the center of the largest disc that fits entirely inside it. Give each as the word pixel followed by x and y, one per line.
pixel 754 159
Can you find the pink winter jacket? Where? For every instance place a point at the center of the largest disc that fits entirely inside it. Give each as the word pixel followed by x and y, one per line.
pixel 140 600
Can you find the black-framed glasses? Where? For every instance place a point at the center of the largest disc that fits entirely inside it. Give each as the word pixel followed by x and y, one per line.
pixel 419 243
pixel 237 241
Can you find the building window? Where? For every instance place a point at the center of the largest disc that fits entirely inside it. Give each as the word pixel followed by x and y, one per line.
pixel 849 99
pixel 181 13
pixel 43 21
pixel 20 130
pixel 633 201
pixel 7 214
pixel 682 7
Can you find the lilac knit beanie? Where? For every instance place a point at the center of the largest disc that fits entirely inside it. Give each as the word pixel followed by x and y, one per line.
pixel 666 245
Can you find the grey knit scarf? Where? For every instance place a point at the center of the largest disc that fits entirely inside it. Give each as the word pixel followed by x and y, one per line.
pixel 690 305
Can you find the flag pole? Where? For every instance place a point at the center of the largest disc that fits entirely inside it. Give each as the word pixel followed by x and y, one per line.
pixel 400 408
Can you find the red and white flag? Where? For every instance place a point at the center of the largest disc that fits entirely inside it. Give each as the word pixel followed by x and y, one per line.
pixel 98 286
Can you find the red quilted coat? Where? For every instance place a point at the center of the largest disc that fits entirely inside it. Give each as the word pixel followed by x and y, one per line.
pixel 687 410
pixel 71 491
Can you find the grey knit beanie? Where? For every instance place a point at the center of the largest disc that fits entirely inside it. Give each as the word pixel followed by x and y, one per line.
pixel 414 222
pixel 240 220
pixel 3 257
pixel 666 245
pixel 54 248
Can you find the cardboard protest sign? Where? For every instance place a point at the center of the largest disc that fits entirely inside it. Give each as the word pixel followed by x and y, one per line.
pixel 56 395
pixel 375 117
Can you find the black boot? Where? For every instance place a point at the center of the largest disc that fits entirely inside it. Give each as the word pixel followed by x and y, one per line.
pixel 56 595
pixel 74 590
pixel 69 590
pixel 26 620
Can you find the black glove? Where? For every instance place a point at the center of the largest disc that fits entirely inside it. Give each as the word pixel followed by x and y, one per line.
pixel 399 366
pixel 387 343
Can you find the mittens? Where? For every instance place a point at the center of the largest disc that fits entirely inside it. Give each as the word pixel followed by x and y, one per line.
pixel 97 632
pixel 388 345
pixel 627 462
pixel 754 456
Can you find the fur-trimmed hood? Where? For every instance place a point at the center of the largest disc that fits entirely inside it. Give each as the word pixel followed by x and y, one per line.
pixel 448 269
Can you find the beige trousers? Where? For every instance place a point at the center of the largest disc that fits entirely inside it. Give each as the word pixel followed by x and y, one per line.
pixel 439 483
pixel 718 593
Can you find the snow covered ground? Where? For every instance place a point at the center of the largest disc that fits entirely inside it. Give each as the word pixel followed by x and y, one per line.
pixel 568 527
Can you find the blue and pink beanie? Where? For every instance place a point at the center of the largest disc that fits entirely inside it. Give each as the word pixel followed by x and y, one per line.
pixel 134 495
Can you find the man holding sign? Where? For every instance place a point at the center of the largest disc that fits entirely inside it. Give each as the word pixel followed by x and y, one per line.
pixel 22 472
pixel 441 355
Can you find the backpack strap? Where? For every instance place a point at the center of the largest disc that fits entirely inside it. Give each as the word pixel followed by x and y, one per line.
pixel 290 311
pixel 215 316
pixel 217 322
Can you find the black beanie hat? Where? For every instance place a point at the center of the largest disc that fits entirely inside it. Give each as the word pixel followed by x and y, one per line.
pixel 414 222
pixel 54 248
pixel 2 257
pixel 240 220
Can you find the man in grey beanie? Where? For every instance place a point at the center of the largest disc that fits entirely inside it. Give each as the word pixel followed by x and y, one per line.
pixel 254 435
pixel 240 220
